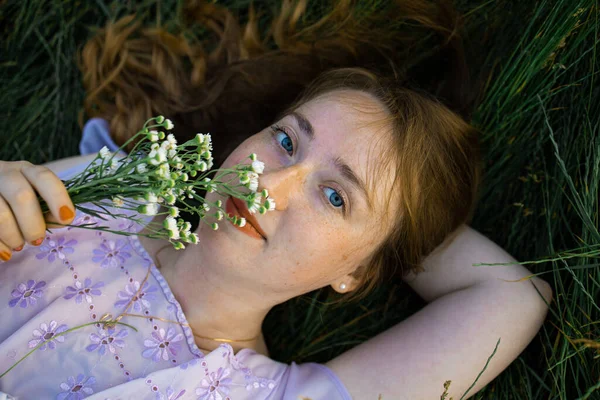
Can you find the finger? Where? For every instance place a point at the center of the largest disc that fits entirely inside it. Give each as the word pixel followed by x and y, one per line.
pixel 53 191
pixel 25 206
pixel 5 252
pixel 10 234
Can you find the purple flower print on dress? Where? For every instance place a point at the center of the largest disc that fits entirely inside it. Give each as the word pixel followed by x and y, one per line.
pixel 190 363
pixel 27 293
pixel 138 300
pixel 76 388
pixel 47 335
pixel 215 386
pixel 107 340
pixel 170 394
pixel 160 344
pixel 56 248
pixel 85 219
pixel 83 290
pixel 111 253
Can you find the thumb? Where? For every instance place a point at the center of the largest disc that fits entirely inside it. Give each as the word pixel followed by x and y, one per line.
pixel 52 222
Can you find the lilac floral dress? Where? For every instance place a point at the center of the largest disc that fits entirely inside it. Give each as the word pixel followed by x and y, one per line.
pixel 77 277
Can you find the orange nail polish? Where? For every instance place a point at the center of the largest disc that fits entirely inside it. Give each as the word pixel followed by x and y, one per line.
pixel 37 242
pixel 65 213
pixel 4 256
pixel 18 248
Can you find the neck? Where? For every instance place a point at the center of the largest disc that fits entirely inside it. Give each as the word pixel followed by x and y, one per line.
pixel 215 307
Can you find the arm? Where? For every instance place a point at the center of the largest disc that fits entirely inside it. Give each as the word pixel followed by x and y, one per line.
pixel 452 337
pixel 64 164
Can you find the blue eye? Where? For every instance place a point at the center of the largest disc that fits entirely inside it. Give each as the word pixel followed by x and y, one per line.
pixel 334 198
pixel 286 142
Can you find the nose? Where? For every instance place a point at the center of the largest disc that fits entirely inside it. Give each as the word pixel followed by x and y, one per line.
pixel 283 183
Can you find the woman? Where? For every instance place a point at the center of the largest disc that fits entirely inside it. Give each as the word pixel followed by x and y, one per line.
pixel 359 169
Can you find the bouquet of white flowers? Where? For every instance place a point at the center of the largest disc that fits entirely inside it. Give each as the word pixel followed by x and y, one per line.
pixel 156 174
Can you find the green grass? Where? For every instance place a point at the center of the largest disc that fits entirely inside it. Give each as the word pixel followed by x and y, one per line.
pixel 539 116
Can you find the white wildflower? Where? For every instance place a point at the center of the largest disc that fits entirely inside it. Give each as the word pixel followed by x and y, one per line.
pixel 170 199
pixel 185 230
pixel 141 168
pixel 174 234
pixel 242 222
pixel 158 156
pixel 104 153
pixel 152 136
pixel 160 119
pixel 151 197
pixel 118 201
pixel 244 178
pixel 178 246
pixel 204 142
pixel 253 156
pixel 253 184
pixel 269 204
pixel 200 139
pixel 205 207
pixel 148 209
pixel 219 215
pixel 208 142
pixel 163 171
pixel 254 203
pixel 265 193
pixel 219 203
pixel 170 224
pixel 114 165
pixel 174 212
pixel 258 166
pixel 193 238
pixel 214 226
pixel 172 141
pixel 168 124
pixel 202 166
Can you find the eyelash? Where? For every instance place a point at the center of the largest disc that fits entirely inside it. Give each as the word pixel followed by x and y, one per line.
pixel 275 129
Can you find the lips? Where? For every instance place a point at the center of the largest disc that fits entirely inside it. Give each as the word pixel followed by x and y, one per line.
pixel 242 209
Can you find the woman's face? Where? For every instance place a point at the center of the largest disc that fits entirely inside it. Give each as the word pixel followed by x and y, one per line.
pixel 325 224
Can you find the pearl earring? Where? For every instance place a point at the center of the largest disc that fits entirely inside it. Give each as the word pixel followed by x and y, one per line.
pixel 343 286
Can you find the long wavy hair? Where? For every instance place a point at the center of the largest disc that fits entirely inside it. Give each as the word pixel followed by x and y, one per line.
pixel 237 81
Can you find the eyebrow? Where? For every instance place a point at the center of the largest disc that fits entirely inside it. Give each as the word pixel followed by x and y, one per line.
pixel 304 124
pixel 347 172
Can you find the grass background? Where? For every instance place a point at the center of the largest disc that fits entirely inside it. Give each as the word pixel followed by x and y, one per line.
pixel 539 116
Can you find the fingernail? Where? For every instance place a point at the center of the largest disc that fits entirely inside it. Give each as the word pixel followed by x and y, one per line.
pixel 65 213
pixel 4 256
pixel 18 248
pixel 37 242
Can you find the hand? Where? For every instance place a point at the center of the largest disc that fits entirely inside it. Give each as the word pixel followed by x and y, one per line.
pixel 21 218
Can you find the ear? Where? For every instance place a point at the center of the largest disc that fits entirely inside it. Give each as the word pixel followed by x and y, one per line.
pixel 347 283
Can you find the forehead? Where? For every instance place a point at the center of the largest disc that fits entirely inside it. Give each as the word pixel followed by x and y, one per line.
pixel 356 127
